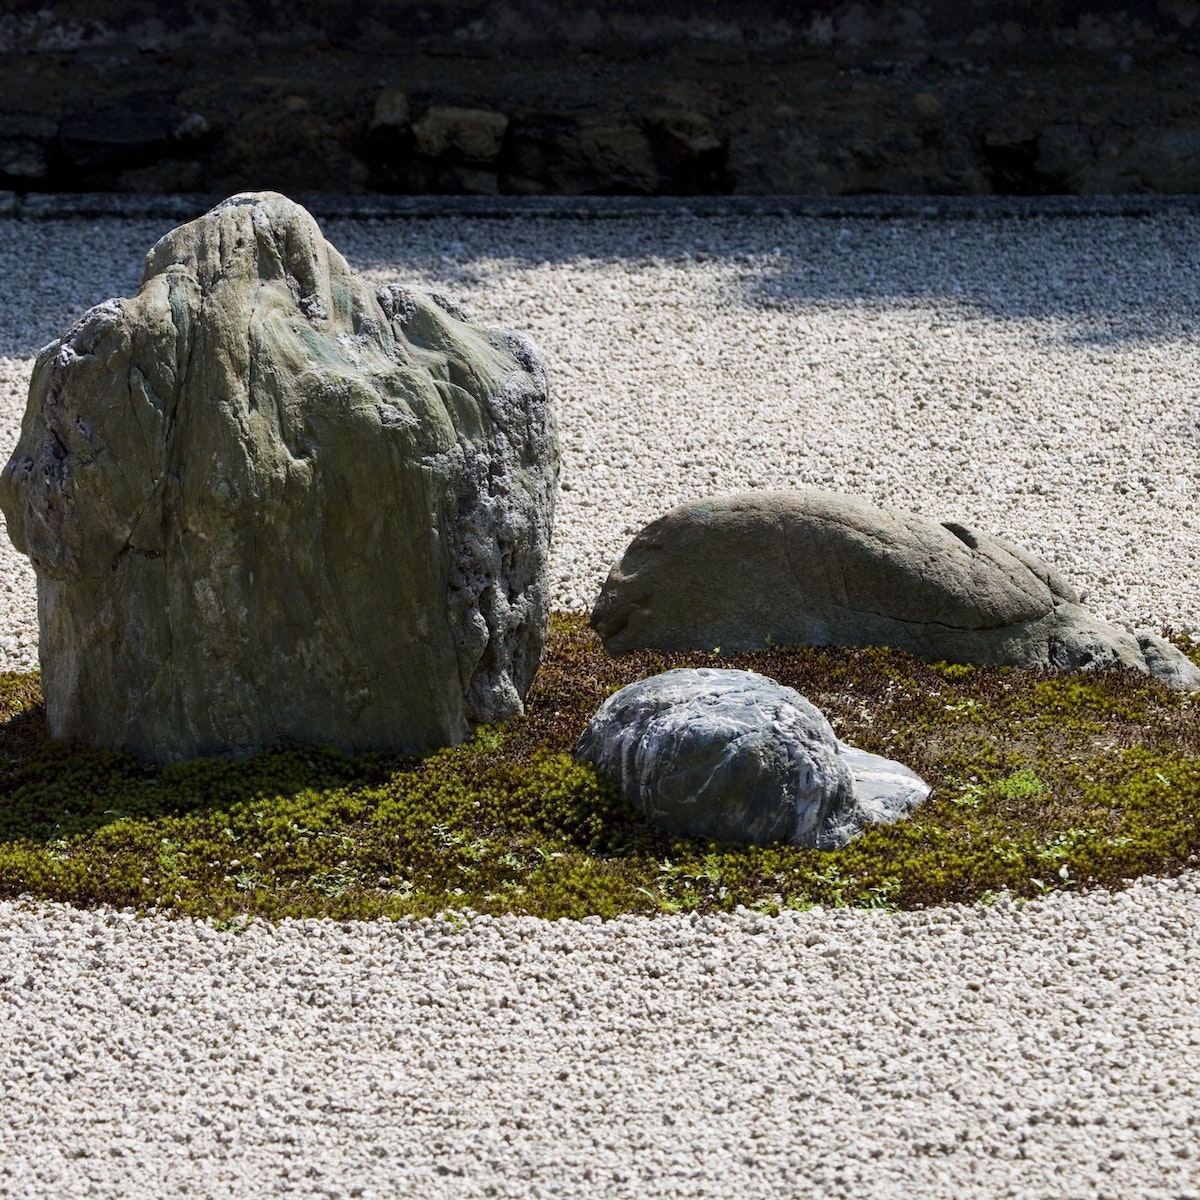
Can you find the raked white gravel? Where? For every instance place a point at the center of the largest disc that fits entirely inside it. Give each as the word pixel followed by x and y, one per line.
pixel 1037 377
pixel 1045 1051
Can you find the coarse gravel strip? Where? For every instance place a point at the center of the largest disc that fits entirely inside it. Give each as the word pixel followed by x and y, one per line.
pixel 1049 1050
pixel 1032 374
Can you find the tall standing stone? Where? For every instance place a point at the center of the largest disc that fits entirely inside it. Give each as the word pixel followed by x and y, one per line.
pixel 269 502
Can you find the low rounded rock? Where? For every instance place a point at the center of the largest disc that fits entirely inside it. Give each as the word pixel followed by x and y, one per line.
pixel 735 756
pixel 816 568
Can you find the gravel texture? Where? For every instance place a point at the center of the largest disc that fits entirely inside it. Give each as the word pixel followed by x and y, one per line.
pixel 1046 1051
pixel 1032 376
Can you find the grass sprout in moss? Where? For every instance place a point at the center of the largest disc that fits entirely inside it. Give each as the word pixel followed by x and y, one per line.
pixel 1040 782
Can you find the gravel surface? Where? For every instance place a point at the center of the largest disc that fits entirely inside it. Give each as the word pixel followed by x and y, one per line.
pixel 1048 1051
pixel 1033 376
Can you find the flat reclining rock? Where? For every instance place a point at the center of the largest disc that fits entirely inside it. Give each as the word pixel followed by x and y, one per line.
pixel 815 568
pixel 735 756
pixel 267 501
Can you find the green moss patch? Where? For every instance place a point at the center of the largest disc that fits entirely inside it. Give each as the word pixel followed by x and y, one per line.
pixel 1040 782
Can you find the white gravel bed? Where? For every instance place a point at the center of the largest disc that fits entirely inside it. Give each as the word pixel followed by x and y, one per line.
pixel 1036 377
pixel 1045 1051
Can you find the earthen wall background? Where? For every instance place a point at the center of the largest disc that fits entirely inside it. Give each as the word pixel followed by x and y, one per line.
pixel 951 97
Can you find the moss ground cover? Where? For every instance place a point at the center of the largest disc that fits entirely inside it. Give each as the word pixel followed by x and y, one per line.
pixel 1040 782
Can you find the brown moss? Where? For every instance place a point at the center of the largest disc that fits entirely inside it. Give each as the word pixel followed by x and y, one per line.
pixel 1039 781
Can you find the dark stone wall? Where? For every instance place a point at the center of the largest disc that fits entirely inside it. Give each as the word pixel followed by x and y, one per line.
pixel 532 97
pixel 395 24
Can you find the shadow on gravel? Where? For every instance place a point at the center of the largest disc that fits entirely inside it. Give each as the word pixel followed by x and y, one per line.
pixel 53 271
pixel 1094 282
pixel 1100 284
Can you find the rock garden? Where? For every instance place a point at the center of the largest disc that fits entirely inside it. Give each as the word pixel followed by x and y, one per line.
pixel 291 533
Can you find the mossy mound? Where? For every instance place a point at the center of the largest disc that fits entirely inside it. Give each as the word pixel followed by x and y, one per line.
pixel 1040 782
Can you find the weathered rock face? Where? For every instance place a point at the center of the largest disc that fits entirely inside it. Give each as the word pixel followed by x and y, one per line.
pixel 266 502
pixel 815 568
pixel 735 756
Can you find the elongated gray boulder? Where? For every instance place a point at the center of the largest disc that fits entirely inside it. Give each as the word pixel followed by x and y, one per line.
pixel 267 501
pixel 737 757
pixel 814 568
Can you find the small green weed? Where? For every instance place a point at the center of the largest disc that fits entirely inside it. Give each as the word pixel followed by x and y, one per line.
pixel 1019 785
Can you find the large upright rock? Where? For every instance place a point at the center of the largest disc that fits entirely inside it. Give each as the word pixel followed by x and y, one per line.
pixel 266 501
pixel 814 568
